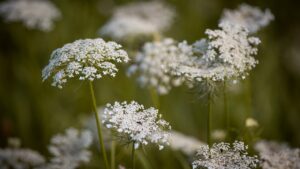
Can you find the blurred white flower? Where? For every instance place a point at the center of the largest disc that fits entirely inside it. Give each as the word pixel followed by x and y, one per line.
pixel 35 14
pixel 226 54
pixel 86 59
pixel 251 122
pixel 248 16
pixel 218 134
pixel 153 64
pixel 69 150
pixel 274 155
pixel 17 158
pixel 90 124
pixel 140 18
pixel 186 144
pixel 225 156
pixel 141 126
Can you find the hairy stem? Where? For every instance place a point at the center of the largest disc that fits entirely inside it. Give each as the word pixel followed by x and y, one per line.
pixel 98 125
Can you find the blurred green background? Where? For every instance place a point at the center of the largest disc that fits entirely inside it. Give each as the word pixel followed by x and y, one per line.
pixel 34 111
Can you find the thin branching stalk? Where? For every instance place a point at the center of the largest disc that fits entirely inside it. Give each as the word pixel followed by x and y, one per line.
pixel 133 156
pixel 98 125
pixel 208 132
pixel 113 155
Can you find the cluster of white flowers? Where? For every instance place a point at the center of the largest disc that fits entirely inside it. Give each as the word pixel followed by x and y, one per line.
pixel 186 144
pixel 69 150
pixel 35 14
pixel 153 64
pixel 277 156
pixel 136 19
pixel 86 59
pixel 226 54
pixel 20 158
pixel 141 126
pixel 248 16
pixel 225 156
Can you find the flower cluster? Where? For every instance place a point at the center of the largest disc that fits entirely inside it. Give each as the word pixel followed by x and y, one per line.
pixel 249 17
pixel 69 150
pixel 34 14
pixel 136 19
pixel 277 156
pixel 226 54
pixel 184 143
pixel 141 126
pixel 20 158
pixel 225 156
pixel 87 59
pixel 154 62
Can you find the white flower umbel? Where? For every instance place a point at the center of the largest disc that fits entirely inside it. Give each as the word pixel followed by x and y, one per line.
pixel 226 54
pixel 69 150
pixel 141 126
pixel 225 156
pixel 188 145
pixel 248 16
pixel 18 158
pixel 34 14
pixel 153 64
pixel 136 19
pixel 274 155
pixel 87 59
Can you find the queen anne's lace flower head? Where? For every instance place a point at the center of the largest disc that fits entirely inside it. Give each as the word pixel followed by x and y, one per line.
pixel 141 126
pixel 227 53
pixel 153 64
pixel 277 156
pixel 141 18
pixel 186 144
pixel 225 156
pixel 248 16
pixel 87 59
pixel 69 150
pixel 35 14
pixel 20 158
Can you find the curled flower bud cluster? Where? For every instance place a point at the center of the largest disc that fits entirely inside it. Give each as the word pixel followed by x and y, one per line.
pixel 87 59
pixel 274 155
pixel 225 156
pixel 252 18
pixel 153 64
pixel 138 19
pixel 141 126
pixel 34 14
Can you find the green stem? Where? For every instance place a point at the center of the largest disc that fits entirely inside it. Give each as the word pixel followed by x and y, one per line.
pixel 209 104
pixel 226 112
pixel 113 155
pixel 133 156
pixel 98 125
